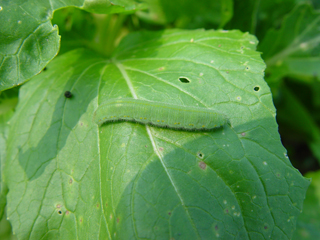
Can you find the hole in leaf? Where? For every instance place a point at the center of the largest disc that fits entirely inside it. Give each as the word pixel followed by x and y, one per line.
pixel 256 88
pixel 184 80
pixel 200 155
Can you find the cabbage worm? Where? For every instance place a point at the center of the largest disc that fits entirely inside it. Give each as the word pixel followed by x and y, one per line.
pixel 158 114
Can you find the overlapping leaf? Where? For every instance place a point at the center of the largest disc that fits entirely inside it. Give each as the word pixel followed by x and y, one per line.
pixel 28 41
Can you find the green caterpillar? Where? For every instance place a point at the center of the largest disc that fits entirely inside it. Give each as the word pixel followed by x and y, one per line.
pixel 158 114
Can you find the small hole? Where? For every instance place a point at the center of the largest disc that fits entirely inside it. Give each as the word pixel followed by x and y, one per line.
pixel 256 88
pixel 45 68
pixel 184 80
pixel 60 212
pixel 200 155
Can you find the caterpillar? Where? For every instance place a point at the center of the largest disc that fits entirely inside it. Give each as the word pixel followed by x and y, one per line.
pixel 158 114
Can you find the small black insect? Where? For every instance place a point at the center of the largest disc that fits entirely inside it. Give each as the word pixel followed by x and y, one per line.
pixel 68 94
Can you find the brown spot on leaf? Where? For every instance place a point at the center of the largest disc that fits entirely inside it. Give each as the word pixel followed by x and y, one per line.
pixel 202 165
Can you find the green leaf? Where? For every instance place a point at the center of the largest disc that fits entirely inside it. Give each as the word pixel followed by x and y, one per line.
pixel 308 226
pixel 5 230
pixel 28 41
pixel 69 178
pixel 8 101
pixel 294 50
pixel 189 13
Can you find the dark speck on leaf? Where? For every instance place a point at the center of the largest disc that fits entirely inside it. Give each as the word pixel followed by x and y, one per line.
pixel 68 94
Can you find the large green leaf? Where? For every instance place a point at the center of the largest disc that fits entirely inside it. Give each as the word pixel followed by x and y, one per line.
pixel 294 50
pixel 28 41
pixel 70 179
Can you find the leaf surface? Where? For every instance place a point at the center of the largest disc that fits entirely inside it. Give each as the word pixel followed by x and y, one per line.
pixel 70 179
